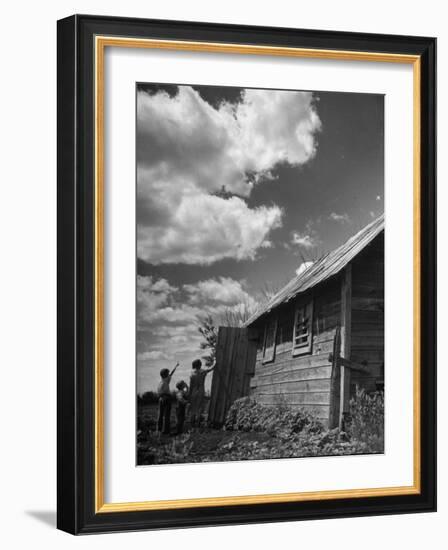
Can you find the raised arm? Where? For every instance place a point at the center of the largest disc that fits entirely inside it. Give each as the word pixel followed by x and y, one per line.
pixel 174 370
pixel 212 367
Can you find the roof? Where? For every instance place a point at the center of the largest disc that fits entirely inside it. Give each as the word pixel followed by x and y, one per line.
pixel 329 265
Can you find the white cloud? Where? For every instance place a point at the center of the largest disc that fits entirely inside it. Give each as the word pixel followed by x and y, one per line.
pixel 303 239
pixel 303 267
pixel 151 355
pixel 174 331
pixel 188 150
pixel 225 290
pixel 341 218
pixel 205 228
pixel 160 286
pixel 308 238
pixel 159 303
pixel 151 295
pixel 181 314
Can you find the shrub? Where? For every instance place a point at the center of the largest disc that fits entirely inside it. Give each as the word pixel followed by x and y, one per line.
pixel 301 434
pixel 247 415
pixel 365 425
pixel 148 398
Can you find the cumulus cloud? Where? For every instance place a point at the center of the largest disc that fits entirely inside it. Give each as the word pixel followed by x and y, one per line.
pixel 160 286
pixel 341 218
pixel 188 152
pixel 303 239
pixel 159 302
pixel 225 290
pixel 151 355
pixel 308 238
pixel 152 295
pixel 205 228
pixel 303 267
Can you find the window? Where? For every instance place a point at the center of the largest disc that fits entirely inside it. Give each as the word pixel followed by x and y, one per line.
pixel 303 329
pixel 270 336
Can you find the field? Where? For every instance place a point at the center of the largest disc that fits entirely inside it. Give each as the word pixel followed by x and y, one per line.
pixel 254 432
pixel 202 445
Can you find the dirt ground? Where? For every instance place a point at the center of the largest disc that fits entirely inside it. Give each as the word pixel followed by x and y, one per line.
pixel 203 445
pixel 198 444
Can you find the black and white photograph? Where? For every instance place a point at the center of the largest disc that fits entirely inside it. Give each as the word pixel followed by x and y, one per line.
pixel 260 273
pixel 220 274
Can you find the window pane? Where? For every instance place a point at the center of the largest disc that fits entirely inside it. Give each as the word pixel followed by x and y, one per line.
pixel 302 326
pixel 269 342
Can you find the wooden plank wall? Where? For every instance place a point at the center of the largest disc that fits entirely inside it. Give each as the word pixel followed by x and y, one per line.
pixel 335 387
pixel 235 365
pixel 301 381
pixel 346 338
pixel 368 314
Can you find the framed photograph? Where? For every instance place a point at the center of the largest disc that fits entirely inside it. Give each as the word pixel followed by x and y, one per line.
pixel 246 274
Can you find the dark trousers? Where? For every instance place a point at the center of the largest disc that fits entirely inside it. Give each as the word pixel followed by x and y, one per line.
pixel 163 422
pixel 180 417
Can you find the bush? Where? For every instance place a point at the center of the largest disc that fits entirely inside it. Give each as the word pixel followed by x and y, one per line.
pixel 366 422
pixel 301 434
pixel 148 398
pixel 247 415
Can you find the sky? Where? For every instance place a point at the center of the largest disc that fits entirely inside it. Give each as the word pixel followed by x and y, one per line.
pixel 237 189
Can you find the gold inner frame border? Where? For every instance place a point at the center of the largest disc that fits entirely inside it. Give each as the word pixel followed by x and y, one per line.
pixel 100 44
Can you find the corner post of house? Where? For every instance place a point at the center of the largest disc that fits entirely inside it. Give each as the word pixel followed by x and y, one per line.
pixel 346 330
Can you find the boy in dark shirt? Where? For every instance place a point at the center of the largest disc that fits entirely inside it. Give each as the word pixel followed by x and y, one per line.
pixel 181 405
pixel 197 390
pixel 163 390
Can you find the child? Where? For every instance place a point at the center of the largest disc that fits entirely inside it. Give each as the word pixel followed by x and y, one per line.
pixel 182 401
pixel 163 390
pixel 197 390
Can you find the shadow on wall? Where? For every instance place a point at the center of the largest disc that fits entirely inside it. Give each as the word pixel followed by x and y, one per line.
pixel 48 517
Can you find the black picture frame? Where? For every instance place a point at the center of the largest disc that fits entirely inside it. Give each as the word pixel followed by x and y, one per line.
pixel 76 511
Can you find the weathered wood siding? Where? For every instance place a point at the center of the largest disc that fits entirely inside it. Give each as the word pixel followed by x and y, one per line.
pixel 235 365
pixel 305 381
pixel 300 381
pixel 367 341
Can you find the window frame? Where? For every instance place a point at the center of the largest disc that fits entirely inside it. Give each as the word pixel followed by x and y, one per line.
pixel 271 358
pixel 307 348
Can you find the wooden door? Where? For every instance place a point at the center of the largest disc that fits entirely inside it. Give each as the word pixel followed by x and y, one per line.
pixel 235 366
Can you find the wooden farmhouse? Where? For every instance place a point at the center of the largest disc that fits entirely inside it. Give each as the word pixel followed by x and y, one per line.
pixel 315 340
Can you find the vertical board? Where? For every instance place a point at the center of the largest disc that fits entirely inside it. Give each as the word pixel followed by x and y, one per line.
pixel 346 330
pixel 235 358
pixel 335 383
pixel 219 381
